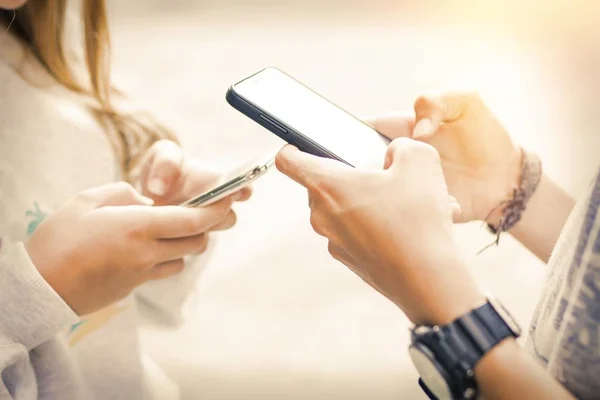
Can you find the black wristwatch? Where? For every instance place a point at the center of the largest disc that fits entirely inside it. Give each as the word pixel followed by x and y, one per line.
pixel 445 356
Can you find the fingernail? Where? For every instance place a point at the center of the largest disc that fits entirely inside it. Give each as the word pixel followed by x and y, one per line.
pixel 157 187
pixel 236 196
pixel 146 200
pixel 423 127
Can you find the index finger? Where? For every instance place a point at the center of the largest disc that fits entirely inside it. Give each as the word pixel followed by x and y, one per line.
pixel 302 167
pixel 297 165
pixel 393 125
pixel 168 222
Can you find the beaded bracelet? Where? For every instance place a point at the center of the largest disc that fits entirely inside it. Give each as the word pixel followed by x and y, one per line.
pixel 531 175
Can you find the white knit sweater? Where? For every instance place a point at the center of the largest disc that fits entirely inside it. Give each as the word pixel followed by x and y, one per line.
pixel 50 149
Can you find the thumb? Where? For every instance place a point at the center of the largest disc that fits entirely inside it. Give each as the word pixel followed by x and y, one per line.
pixel 162 169
pixel 116 194
pixel 393 125
pixel 434 109
pixel 304 168
pixel 455 209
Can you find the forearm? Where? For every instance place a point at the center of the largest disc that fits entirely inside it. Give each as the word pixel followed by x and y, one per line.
pixel 543 220
pixel 507 372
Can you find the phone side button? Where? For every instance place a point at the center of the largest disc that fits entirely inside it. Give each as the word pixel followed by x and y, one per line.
pixel 273 123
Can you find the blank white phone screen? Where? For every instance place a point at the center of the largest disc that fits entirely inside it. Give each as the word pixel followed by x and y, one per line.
pixel 314 117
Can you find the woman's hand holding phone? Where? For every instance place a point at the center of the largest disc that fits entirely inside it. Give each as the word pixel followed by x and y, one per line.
pixel 108 240
pixel 398 241
pixel 168 178
pixel 481 163
pixel 99 246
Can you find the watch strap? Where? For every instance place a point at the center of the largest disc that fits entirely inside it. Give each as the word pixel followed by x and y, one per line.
pixel 460 345
pixel 484 327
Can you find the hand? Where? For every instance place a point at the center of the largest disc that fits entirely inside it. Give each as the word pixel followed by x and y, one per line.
pixel 170 179
pixel 481 163
pixel 392 227
pixel 99 246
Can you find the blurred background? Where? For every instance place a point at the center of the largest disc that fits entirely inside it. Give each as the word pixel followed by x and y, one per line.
pixel 274 316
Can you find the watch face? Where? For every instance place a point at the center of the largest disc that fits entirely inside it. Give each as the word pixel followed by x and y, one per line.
pixel 431 374
pixel 508 319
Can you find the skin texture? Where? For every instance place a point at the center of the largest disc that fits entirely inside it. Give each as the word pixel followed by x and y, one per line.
pixel 392 227
pixel 97 247
pixel 11 4
pixel 385 235
pixel 482 165
pixel 543 220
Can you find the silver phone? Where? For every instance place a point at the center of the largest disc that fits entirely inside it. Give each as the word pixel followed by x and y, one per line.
pixel 231 183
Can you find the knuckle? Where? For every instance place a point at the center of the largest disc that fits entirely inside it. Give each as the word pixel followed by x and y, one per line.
pixel 425 149
pixel 332 249
pixel 423 102
pixel 123 187
pixel 147 258
pixel 137 231
pixel 217 214
pixel 421 151
pixel 429 152
pixel 398 146
pixel 319 190
pixel 473 97
pixel 202 244
pixel 86 196
pixel 472 101
pixel 232 217
pixel 127 191
pixel 316 224
pixel 226 204
pixel 140 250
pixel 281 163
pixel 177 266
pixel 221 208
pixel 195 224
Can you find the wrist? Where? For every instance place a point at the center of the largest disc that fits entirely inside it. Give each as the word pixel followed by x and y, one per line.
pixel 489 371
pixel 453 360
pixel 506 350
pixel 457 303
pixel 51 273
pixel 515 206
pixel 502 188
pixel 448 292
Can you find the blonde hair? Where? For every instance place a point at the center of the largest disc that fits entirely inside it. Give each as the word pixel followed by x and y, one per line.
pixel 40 25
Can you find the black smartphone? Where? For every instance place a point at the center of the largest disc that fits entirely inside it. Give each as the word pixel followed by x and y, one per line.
pixel 302 117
